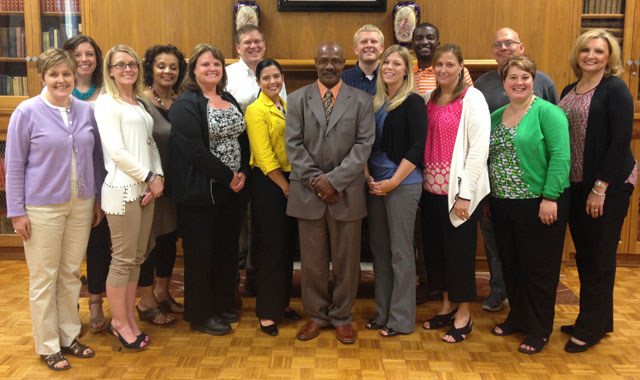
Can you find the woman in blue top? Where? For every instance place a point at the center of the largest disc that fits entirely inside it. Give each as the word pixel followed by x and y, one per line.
pixel 394 177
pixel 529 172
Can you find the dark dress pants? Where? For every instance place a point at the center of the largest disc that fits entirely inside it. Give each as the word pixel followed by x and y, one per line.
pixel 210 241
pixel 98 257
pixel 596 242
pixel 161 259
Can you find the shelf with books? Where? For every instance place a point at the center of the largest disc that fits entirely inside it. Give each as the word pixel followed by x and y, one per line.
pixel 603 16
pixel 58 28
pixel 12 36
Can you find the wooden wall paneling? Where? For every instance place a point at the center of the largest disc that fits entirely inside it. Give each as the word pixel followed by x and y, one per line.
pixel 33 43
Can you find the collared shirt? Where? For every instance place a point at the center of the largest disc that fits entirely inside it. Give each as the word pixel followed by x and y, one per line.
pixel 243 86
pixel 334 91
pixel 426 78
pixel 355 77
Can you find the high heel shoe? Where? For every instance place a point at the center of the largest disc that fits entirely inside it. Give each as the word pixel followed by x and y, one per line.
pixel 119 344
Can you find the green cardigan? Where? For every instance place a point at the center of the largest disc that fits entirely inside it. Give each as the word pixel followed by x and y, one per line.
pixel 542 147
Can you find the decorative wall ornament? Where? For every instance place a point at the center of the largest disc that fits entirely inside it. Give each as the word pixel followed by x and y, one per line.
pixel 405 18
pixel 246 12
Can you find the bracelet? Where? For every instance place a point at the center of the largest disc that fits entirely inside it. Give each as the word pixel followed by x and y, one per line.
pixel 597 193
pixel 599 183
pixel 149 178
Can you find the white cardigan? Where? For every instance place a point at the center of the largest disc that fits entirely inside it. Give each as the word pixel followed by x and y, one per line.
pixel 128 158
pixel 469 175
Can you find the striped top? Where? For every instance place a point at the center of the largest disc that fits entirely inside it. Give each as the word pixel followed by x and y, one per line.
pixel 426 79
pixel 355 77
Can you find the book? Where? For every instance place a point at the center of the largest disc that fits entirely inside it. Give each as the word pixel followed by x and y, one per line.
pixel 17 86
pixel 18 44
pixel 12 42
pixel 45 41
pixel 25 86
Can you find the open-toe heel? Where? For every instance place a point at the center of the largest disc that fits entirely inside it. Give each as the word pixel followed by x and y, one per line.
pixel 440 320
pixel 119 344
pixel 459 334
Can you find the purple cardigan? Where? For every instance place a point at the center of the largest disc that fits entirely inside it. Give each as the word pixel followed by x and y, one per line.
pixel 38 155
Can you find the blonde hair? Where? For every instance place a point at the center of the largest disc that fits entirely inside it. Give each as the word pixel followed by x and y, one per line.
pixel 110 87
pixel 53 57
pixel 368 28
pixel 190 82
pixel 614 65
pixel 408 84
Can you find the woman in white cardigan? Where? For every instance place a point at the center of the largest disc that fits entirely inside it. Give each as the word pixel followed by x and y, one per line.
pixel 134 179
pixel 455 180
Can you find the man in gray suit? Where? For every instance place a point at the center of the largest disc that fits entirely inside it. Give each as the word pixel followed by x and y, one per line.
pixel 329 133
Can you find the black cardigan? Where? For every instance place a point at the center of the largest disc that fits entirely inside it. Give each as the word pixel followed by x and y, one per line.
pixel 194 167
pixel 404 132
pixel 607 142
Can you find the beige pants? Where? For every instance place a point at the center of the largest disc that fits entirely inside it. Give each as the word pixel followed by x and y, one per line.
pixel 54 254
pixel 129 238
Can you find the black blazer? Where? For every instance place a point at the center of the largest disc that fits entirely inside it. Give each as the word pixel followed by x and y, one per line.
pixel 194 167
pixel 607 143
pixel 404 132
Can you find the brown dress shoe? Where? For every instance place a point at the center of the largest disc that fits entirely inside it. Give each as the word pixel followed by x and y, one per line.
pixel 346 334
pixel 309 331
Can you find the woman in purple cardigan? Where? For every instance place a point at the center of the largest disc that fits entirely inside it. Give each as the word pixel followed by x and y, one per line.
pixel 53 162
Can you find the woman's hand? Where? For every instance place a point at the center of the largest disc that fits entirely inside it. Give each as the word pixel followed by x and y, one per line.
pixel 382 187
pixel 285 189
pixel 147 197
pixel 97 214
pixel 22 226
pixel 156 186
pixel 238 182
pixel 548 213
pixel 595 202
pixel 461 208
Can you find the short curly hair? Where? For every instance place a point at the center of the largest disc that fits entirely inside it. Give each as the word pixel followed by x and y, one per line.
pixel 150 57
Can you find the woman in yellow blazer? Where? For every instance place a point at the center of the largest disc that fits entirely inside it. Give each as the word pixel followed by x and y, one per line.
pixel 274 233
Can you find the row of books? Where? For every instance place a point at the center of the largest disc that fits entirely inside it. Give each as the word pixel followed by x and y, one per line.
pixel 12 5
pixel 56 37
pixel 59 6
pixel 602 6
pixel 12 42
pixel 16 86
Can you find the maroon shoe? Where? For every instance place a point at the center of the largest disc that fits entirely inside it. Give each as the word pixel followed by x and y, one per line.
pixel 309 331
pixel 346 334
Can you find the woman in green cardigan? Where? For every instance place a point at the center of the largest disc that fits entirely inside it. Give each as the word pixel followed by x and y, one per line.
pixel 529 172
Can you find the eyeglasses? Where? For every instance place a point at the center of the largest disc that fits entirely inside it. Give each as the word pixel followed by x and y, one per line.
pixel 248 43
pixel 507 44
pixel 122 66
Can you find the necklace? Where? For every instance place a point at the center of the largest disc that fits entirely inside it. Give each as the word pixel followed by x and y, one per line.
pixel 158 99
pixel 84 95
pixel 144 120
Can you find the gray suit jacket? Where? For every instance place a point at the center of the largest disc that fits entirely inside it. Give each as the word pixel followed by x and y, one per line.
pixel 340 150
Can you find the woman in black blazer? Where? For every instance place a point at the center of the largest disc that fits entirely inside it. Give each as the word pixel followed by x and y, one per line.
pixel 395 184
pixel 603 173
pixel 210 163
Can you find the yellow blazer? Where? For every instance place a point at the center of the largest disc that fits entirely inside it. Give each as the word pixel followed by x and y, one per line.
pixel 265 127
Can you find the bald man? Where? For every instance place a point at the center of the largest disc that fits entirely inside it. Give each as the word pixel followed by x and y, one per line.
pixel 329 135
pixel 506 43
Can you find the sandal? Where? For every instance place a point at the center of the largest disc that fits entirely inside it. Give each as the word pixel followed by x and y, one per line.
pixel 79 350
pixel 168 305
pixel 151 314
pixel 53 359
pixel 98 320
pixel 459 334
pixel 440 320
pixel 118 343
pixel 388 332
pixel 373 325
pixel 506 330
pixel 534 341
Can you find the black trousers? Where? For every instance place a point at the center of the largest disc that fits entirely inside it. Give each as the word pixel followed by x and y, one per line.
pixel 531 255
pixel 449 252
pixel 596 242
pixel 274 243
pixel 210 241
pixel 161 259
pixel 98 257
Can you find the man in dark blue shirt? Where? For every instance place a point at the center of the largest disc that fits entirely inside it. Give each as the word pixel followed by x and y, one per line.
pixel 368 43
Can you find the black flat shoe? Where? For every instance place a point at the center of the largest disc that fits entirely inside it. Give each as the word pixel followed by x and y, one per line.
pixel 537 343
pixel 373 325
pixel 292 315
pixel 212 326
pixel 439 321
pixel 574 348
pixel 459 334
pixel 269 330
pixel 230 316
pixel 567 329
pixel 506 330
pixel 388 332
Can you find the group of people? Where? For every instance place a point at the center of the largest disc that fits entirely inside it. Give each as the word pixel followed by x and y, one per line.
pixel 387 139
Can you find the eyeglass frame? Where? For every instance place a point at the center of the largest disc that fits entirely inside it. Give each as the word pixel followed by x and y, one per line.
pixel 507 44
pixel 123 66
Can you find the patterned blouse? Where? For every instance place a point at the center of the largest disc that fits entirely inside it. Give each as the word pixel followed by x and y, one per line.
pixel 225 125
pixel 504 172
pixel 441 138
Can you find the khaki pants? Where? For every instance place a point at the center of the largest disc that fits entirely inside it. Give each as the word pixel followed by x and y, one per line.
pixel 54 254
pixel 129 238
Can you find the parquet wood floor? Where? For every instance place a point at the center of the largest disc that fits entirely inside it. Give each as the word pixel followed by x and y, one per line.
pixel 178 353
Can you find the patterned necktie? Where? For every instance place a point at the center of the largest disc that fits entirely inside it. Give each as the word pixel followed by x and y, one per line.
pixel 328 106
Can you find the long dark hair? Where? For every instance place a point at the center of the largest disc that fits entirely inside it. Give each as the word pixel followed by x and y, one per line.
pixel 462 85
pixel 150 57
pixel 72 43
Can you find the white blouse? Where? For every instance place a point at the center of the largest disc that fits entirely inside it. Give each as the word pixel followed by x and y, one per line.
pixel 129 151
